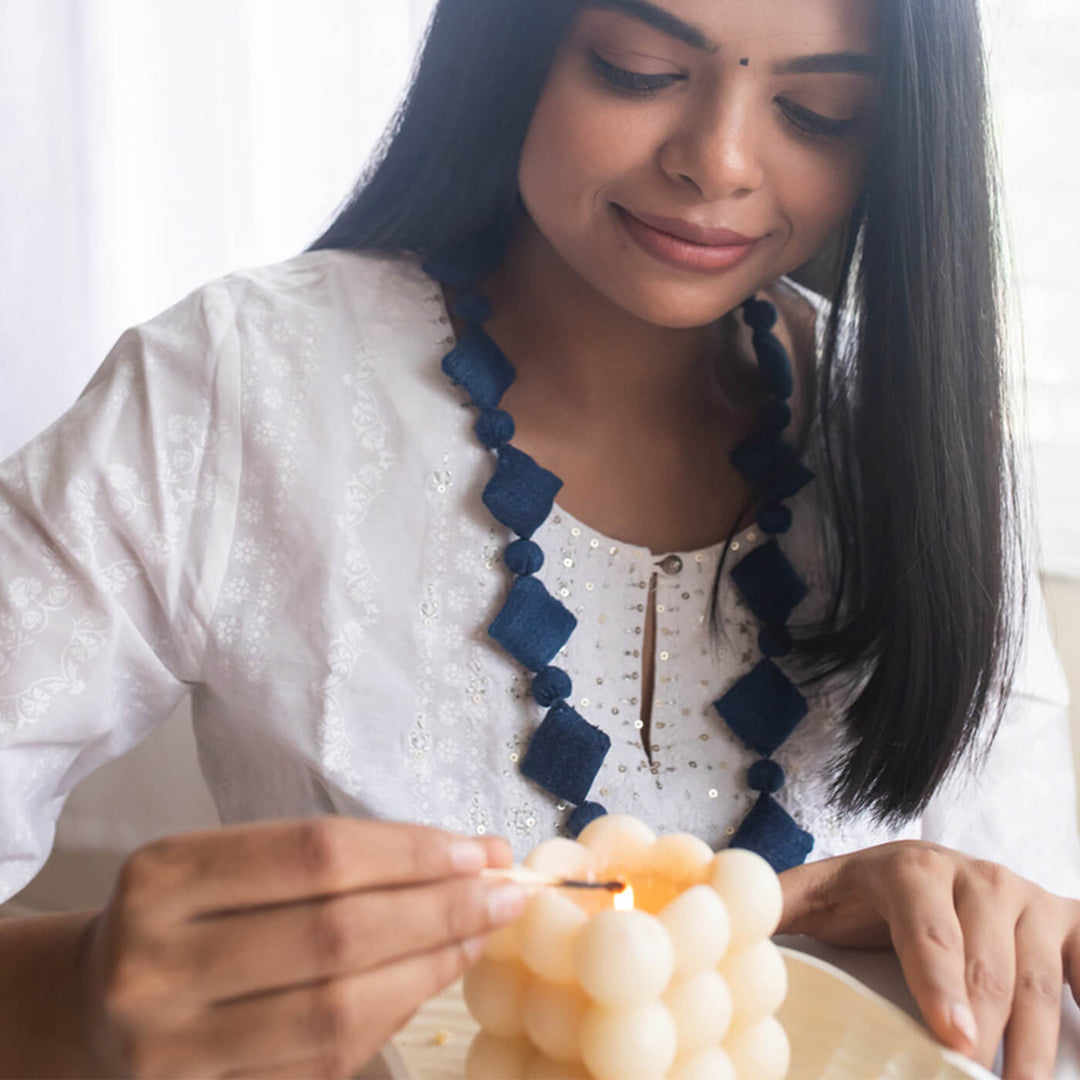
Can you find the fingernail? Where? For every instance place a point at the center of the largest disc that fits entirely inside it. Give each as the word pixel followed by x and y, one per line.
pixel 467 856
pixel 505 902
pixel 963 1019
pixel 473 947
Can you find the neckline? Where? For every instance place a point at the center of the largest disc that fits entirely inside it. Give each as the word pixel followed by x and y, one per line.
pixel 742 536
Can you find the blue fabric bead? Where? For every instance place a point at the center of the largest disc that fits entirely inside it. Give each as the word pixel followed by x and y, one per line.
pixel 472 306
pixel 768 582
pixel 772 832
pixel 565 753
pixel 774 415
pixel 775 640
pixel 774 363
pixel 532 625
pixel 771 464
pixel 524 557
pixel 582 815
pixel 765 775
pixel 478 364
pixel 520 493
pixel 494 428
pixel 762 708
pixel 550 685
pixel 774 518
pixel 759 314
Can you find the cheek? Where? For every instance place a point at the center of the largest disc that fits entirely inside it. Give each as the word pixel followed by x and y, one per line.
pixel 818 195
pixel 575 149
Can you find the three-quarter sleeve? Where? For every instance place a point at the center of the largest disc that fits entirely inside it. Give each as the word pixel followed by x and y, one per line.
pixel 115 529
pixel 1020 808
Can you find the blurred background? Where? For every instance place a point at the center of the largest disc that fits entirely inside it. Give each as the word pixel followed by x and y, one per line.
pixel 152 145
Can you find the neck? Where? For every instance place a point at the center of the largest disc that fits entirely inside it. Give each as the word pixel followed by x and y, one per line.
pixel 582 360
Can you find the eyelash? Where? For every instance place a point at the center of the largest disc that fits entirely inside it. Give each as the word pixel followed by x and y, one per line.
pixel 634 84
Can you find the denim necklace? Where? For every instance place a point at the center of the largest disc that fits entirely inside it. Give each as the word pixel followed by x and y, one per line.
pixel 762 707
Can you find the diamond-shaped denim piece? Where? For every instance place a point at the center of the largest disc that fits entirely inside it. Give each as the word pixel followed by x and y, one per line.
pixel 532 626
pixel 565 753
pixel 478 364
pixel 762 708
pixel 769 584
pixel 772 832
pixel 771 464
pixel 521 493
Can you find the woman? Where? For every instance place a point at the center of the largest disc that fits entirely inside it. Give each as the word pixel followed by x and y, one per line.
pixel 270 496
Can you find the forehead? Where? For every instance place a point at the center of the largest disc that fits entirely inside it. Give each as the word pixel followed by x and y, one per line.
pixel 775 26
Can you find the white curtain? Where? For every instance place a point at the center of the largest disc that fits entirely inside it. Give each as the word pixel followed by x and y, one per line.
pixel 150 145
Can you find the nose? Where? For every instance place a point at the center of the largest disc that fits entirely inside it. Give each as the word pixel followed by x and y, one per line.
pixel 716 148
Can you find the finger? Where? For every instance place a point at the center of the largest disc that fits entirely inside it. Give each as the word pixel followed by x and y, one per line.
pixel 1031 1038
pixel 989 929
pixel 227 956
pixel 350 1017
pixel 277 862
pixel 929 943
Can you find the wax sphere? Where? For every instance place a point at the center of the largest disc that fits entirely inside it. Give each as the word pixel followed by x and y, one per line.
pixel 711 1064
pixel 701 1008
pixel 761 1051
pixel 623 958
pixel 504 943
pixel 559 857
pixel 492 1058
pixel 552 1013
pixel 751 892
pixel 494 990
pixel 549 925
pixel 682 859
pixel 758 979
pixel 541 1067
pixel 618 841
pixel 697 923
pixel 638 1043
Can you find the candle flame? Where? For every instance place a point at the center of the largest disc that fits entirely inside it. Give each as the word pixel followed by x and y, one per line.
pixel 624 901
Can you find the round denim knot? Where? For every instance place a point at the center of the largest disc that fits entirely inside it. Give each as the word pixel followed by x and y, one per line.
pixel 494 428
pixel 774 518
pixel 765 775
pixel 774 415
pixel 775 640
pixel 472 305
pixel 550 685
pixel 524 557
pixel 582 815
pixel 759 314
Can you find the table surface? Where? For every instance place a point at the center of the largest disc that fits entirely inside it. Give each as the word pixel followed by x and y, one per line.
pixel 434 1044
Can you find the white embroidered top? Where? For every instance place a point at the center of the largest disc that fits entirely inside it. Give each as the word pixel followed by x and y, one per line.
pixel 269 496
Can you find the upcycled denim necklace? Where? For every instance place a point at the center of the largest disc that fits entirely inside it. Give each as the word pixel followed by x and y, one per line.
pixel 762 707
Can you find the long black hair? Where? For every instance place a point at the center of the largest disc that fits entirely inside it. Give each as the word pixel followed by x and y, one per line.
pixel 920 484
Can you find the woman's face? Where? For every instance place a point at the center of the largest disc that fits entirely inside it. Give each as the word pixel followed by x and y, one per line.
pixel 757 124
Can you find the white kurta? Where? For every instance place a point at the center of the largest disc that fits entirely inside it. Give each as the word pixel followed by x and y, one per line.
pixel 269 496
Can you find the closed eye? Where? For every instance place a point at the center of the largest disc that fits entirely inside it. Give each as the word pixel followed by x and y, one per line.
pixel 630 82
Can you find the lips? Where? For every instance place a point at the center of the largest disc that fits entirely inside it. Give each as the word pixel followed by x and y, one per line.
pixel 695 234
pixel 706 250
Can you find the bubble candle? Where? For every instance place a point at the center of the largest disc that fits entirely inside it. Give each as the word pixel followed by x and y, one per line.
pixel 674 978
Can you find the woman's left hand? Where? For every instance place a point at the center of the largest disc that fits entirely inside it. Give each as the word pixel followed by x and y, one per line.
pixel 972 938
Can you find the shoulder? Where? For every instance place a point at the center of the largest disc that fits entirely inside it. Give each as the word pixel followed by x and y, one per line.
pixel 358 283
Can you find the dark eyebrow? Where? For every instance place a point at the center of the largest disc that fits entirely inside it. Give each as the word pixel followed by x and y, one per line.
pixel 659 19
pixel 656 17
pixel 843 63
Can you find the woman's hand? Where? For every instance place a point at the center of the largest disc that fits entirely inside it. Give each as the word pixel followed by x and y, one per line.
pixel 984 951
pixel 283 949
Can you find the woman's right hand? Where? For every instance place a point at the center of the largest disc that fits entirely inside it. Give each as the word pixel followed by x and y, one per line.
pixel 289 948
